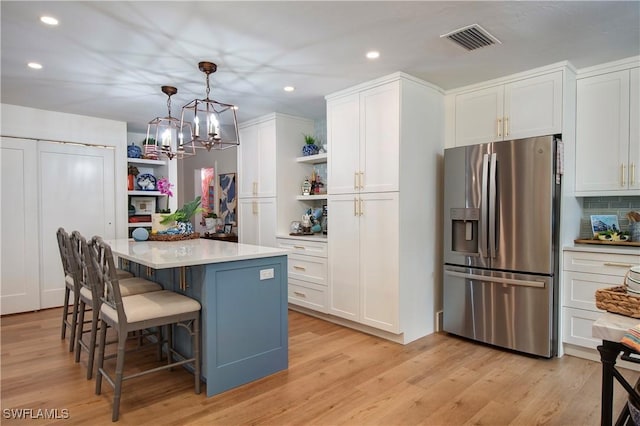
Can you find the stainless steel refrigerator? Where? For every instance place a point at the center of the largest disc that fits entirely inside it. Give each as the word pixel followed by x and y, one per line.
pixel 501 219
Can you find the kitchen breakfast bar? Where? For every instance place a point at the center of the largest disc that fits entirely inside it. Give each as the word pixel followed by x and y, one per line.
pixel 243 292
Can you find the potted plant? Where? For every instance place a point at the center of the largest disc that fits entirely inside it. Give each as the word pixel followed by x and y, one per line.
pixel 132 172
pixel 210 221
pixel 183 216
pixel 310 147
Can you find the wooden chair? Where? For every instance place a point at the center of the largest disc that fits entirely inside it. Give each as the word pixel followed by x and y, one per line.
pixel 90 297
pixel 64 246
pixel 138 312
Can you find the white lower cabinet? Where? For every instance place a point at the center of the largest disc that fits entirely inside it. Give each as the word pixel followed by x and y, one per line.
pixel 584 272
pixel 307 269
pixel 364 259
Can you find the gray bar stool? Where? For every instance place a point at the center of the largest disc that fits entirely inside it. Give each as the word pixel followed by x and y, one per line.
pixel 135 313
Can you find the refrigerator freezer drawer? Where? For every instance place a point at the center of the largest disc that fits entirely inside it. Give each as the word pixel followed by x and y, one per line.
pixel 513 311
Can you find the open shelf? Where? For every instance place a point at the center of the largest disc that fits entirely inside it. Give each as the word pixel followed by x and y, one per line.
pixel 313 159
pixel 149 193
pixel 311 197
pixel 144 161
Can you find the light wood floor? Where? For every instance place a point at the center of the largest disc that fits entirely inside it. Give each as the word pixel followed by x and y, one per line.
pixel 336 376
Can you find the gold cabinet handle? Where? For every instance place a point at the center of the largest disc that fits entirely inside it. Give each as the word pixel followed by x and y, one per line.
pixel 355 180
pixel 361 180
pixel 254 207
pixel 355 207
pixel 299 247
pixel 299 268
pixel 506 126
pixel 255 188
pixel 622 179
pixel 299 294
pixel 499 127
pixel 360 210
pixel 622 265
pixel 632 179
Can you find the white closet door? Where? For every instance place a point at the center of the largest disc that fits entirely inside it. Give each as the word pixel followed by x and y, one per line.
pixel 77 192
pixel 19 281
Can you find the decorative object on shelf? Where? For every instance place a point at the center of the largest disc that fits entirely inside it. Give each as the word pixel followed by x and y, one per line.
pixel 132 210
pixel 150 148
pixel 634 226
pixel 132 172
pixel 173 237
pixel 613 236
pixel 164 186
pixel 147 182
pixel 170 133
pixel 228 228
pixel 325 220
pixel 305 225
pixel 218 120
pixel 306 187
pixel 310 147
pixel 134 151
pixel 140 234
pixel 323 150
pixel 604 222
pixel 210 220
pixel 228 199
pixel 144 205
pixel 182 217
pixel 294 228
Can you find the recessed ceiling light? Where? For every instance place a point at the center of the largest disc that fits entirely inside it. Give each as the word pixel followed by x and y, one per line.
pixel 34 65
pixel 374 54
pixel 49 20
pixel 289 88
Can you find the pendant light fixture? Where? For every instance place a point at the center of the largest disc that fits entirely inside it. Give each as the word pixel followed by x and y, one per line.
pixel 169 132
pixel 214 124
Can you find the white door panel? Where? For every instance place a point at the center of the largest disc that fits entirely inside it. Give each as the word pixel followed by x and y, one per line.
pixel 19 279
pixel 77 192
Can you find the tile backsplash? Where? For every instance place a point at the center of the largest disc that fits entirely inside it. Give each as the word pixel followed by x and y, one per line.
pixel 618 206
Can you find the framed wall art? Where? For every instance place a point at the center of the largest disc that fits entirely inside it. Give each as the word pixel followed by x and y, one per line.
pixel 228 197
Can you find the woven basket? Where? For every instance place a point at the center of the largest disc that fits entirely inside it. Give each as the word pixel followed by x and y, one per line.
pixel 173 237
pixel 618 300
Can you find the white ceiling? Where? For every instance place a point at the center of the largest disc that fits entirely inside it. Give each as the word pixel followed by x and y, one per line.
pixel 108 59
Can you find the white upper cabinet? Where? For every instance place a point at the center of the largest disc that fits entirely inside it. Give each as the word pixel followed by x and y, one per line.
pixel 364 137
pixel 519 109
pixel 607 135
pixel 257 160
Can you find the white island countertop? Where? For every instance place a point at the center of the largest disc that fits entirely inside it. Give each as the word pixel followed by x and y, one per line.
pixel 612 327
pixel 172 254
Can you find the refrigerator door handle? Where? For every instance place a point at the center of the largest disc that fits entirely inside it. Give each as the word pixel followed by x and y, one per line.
pixel 522 283
pixel 484 206
pixel 492 206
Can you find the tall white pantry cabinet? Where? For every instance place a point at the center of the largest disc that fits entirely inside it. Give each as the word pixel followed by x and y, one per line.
pixel 385 142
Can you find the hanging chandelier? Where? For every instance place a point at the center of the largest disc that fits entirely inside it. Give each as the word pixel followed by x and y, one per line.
pixel 168 132
pixel 213 124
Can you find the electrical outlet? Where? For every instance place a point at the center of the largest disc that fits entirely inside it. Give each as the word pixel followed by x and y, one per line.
pixel 266 274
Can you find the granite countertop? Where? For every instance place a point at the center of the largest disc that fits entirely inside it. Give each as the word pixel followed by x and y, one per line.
pixel 612 326
pixel 171 254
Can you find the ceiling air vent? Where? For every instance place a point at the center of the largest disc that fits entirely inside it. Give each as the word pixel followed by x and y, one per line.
pixel 471 37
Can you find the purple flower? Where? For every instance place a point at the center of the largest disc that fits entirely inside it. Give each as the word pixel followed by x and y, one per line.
pixel 164 186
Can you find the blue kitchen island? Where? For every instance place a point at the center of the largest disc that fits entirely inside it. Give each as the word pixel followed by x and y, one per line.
pixel 243 292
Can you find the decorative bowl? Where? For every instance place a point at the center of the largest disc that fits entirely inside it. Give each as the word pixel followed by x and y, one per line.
pixel 134 151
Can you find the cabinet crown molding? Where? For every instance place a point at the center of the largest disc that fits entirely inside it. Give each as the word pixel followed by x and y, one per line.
pixel 558 66
pixel 270 117
pixel 623 64
pixel 396 76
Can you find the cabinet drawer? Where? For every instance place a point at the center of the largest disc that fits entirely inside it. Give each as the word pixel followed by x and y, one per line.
pixel 309 248
pixel 309 295
pixel 308 268
pixel 577 325
pixel 580 288
pixel 599 263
